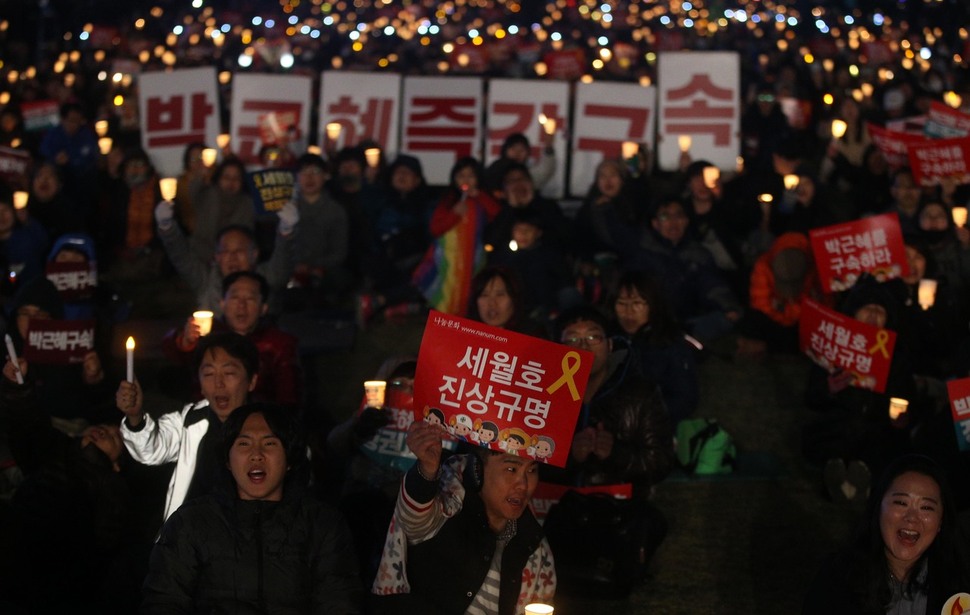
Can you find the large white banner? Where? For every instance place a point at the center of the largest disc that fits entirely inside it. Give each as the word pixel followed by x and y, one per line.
pixel 366 105
pixel 511 111
pixel 177 108
pixel 267 110
pixel 442 122
pixel 605 116
pixel 700 99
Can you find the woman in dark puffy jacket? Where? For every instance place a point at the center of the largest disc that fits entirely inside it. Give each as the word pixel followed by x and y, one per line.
pixel 261 545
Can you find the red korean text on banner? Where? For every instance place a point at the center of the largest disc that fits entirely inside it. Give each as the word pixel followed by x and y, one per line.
pixel 894 145
pixel 871 245
pixel 74 281
pixel 934 160
pixel 837 342
pixel 58 342
pixel 959 392
pixel 500 390
pixel 548 494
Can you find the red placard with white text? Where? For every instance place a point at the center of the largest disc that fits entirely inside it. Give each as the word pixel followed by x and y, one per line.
pixel 366 105
pixel 268 109
pixel 529 389
pixel 937 159
pixel 959 392
pixel 844 251
pixel 945 122
pixel 893 144
pixel 837 342
pixel 700 97
pixel 74 281
pixel 177 108
pixel 607 115
pixel 58 342
pixel 509 112
pixel 442 122
pixel 547 495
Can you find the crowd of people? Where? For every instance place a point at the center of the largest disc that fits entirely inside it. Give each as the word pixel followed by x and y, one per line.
pixel 652 274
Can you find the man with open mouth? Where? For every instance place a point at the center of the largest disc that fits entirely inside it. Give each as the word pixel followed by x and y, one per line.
pixel 463 539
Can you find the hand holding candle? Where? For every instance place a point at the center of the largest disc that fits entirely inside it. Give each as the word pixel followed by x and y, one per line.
pixel 374 393
pixel 959 216
pixel 130 355
pixel 897 407
pixel 12 353
pixel 683 141
pixel 168 187
pixel 926 293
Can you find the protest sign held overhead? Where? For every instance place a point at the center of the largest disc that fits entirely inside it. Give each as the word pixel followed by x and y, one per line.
pixel 959 393
pixel 498 389
pixel 845 251
pixel 58 342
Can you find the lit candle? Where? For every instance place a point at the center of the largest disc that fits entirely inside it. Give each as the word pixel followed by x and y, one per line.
pixel 739 164
pixel 897 406
pixel 629 149
pixel 537 608
pixel 168 187
pixel 104 145
pixel 223 140
pixel 101 127
pixel 203 318
pixel 374 393
pixel 130 355
pixel 684 142
pixel 20 199
pixel 333 130
pixel 209 156
pixel 791 181
pixel 927 293
pixel 12 353
pixel 711 175
pixel 314 149
pixel 373 156
pixel 838 128
pixel 959 215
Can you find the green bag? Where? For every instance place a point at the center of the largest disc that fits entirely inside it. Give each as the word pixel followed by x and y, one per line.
pixel 703 447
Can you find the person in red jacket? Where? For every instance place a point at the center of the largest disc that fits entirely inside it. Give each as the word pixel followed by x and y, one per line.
pixel 780 279
pixel 244 303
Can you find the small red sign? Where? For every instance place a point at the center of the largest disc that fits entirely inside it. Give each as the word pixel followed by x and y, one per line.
pixel 845 251
pixel 58 342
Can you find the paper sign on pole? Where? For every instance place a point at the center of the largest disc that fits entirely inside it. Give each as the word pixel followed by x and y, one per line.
pixel 837 342
pixel 844 251
pixel 498 389
pixel 177 108
pixel 509 112
pixel 442 122
pixel 606 116
pixel 269 110
pixel 699 97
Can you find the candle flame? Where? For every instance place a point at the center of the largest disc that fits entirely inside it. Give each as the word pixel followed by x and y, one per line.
pixel 130 343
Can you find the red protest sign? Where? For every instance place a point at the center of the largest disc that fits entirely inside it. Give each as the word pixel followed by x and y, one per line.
pixel 74 281
pixel 58 342
pixel 959 392
pixel 943 122
pixel 499 389
pixel 548 494
pixel 15 167
pixel 894 145
pixel 934 160
pixel 845 251
pixel 835 341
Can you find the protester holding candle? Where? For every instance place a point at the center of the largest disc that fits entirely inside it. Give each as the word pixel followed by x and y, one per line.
pixel 948 248
pixel 23 243
pixel 221 202
pixel 227 368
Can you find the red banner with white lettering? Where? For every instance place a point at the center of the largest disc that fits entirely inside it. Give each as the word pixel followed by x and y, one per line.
pixel 547 495
pixel 15 167
pixel 959 392
pixel 837 342
pixel 74 281
pixel 894 145
pixel 945 122
pixel 871 245
pixel 58 342
pixel 498 389
pixel 934 160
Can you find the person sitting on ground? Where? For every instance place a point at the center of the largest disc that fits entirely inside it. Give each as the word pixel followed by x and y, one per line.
pixel 245 303
pixel 661 351
pixel 228 363
pixel 467 518
pixel 258 542
pixel 908 555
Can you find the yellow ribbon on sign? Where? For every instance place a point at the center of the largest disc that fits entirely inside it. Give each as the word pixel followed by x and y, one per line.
pixel 882 336
pixel 570 365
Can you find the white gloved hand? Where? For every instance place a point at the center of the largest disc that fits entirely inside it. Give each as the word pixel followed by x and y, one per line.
pixel 164 214
pixel 289 216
